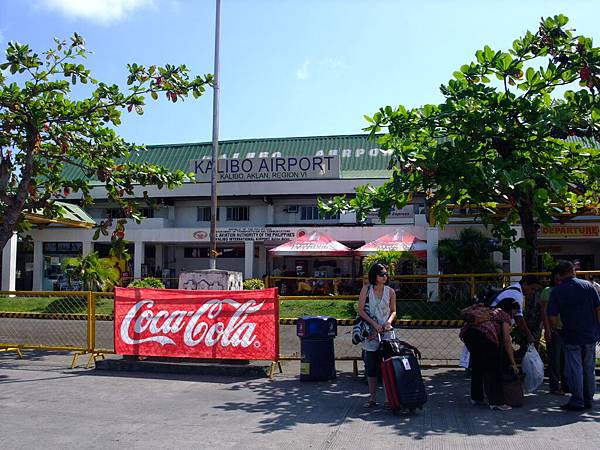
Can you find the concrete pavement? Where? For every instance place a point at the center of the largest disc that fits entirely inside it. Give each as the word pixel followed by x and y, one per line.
pixel 43 404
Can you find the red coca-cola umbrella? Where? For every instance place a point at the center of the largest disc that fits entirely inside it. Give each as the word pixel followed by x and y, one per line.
pixel 312 244
pixel 395 242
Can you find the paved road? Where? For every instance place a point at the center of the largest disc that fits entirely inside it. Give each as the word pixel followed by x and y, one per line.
pixel 45 405
pixel 437 345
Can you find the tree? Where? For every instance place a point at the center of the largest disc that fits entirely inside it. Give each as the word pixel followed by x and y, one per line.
pixel 499 142
pixel 470 253
pixel 45 129
pixel 95 273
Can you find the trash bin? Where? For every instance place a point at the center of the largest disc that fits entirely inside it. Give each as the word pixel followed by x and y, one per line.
pixel 317 356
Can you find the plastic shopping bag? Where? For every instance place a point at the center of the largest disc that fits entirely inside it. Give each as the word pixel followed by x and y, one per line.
pixel 533 369
pixel 465 357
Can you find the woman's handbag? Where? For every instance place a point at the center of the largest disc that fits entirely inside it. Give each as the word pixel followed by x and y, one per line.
pixel 361 329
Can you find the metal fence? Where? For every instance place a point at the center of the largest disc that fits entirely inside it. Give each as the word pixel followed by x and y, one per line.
pixel 83 321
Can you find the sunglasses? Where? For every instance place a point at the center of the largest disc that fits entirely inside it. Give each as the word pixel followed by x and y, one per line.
pixel 382 274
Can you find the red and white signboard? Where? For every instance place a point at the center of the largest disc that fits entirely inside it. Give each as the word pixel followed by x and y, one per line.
pixel 197 324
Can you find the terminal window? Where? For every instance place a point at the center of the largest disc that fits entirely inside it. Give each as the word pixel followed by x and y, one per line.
pixel 203 214
pixel 118 213
pixel 238 213
pixel 313 213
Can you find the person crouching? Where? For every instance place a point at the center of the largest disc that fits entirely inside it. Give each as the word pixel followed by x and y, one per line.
pixel 486 334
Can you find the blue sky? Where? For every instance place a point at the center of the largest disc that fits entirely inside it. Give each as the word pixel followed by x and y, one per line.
pixel 288 67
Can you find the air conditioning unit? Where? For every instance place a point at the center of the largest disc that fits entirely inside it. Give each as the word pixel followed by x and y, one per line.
pixel 291 209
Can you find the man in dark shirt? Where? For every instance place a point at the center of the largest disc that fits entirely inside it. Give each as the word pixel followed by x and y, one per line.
pixel 578 304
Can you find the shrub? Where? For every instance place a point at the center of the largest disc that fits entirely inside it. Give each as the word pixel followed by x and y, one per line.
pixel 472 252
pixel 253 283
pixel 149 282
pixel 389 258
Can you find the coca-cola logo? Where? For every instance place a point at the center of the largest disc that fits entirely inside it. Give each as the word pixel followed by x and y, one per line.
pixel 202 326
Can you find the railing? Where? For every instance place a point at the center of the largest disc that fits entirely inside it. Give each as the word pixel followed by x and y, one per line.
pixel 82 322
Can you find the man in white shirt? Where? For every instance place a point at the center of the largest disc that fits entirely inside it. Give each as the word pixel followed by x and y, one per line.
pixel 529 285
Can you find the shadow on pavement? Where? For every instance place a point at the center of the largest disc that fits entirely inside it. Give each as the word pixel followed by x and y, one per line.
pixel 286 403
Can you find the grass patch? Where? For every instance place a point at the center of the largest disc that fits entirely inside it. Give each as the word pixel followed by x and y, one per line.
pixel 346 309
pixel 340 309
pixel 105 305
pixel 26 304
pixel 54 305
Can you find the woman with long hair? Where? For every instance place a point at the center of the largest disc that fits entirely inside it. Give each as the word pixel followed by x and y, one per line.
pixel 381 306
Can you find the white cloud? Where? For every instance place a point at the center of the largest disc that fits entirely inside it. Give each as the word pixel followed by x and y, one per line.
pixel 101 11
pixel 334 64
pixel 302 72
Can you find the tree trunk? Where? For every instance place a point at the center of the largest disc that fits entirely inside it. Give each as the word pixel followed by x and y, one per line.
pixel 16 203
pixel 9 225
pixel 530 234
pixel 5 235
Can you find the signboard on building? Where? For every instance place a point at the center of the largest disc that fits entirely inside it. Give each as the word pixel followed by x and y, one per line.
pixel 279 168
pixel 396 215
pixel 570 231
pixel 247 234
pixel 197 324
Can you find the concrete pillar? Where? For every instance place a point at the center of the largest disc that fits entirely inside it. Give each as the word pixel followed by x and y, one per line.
pixel 38 265
pixel 433 267
pixel 270 214
pixel 9 264
pixel 138 259
pixel 262 260
pixel 86 248
pixel 248 259
pixel 516 255
pixel 158 256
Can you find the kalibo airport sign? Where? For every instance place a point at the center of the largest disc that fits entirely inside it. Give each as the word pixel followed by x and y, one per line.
pixel 270 169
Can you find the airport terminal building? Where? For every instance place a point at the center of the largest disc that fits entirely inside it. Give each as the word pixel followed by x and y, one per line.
pixel 268 192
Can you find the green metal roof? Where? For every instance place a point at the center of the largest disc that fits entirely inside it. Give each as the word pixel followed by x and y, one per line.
pixel 71 216
pixel 360 157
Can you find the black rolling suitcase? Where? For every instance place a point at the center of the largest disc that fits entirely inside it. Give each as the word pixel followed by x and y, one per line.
pixel 403 382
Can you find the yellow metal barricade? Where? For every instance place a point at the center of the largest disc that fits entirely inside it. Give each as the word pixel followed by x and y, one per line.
pixel 45 321
pixel 82 322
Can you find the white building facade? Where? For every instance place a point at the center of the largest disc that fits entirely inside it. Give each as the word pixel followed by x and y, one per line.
pixel 268 192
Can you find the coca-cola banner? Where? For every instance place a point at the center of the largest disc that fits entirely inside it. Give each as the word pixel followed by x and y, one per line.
pixel 197 324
